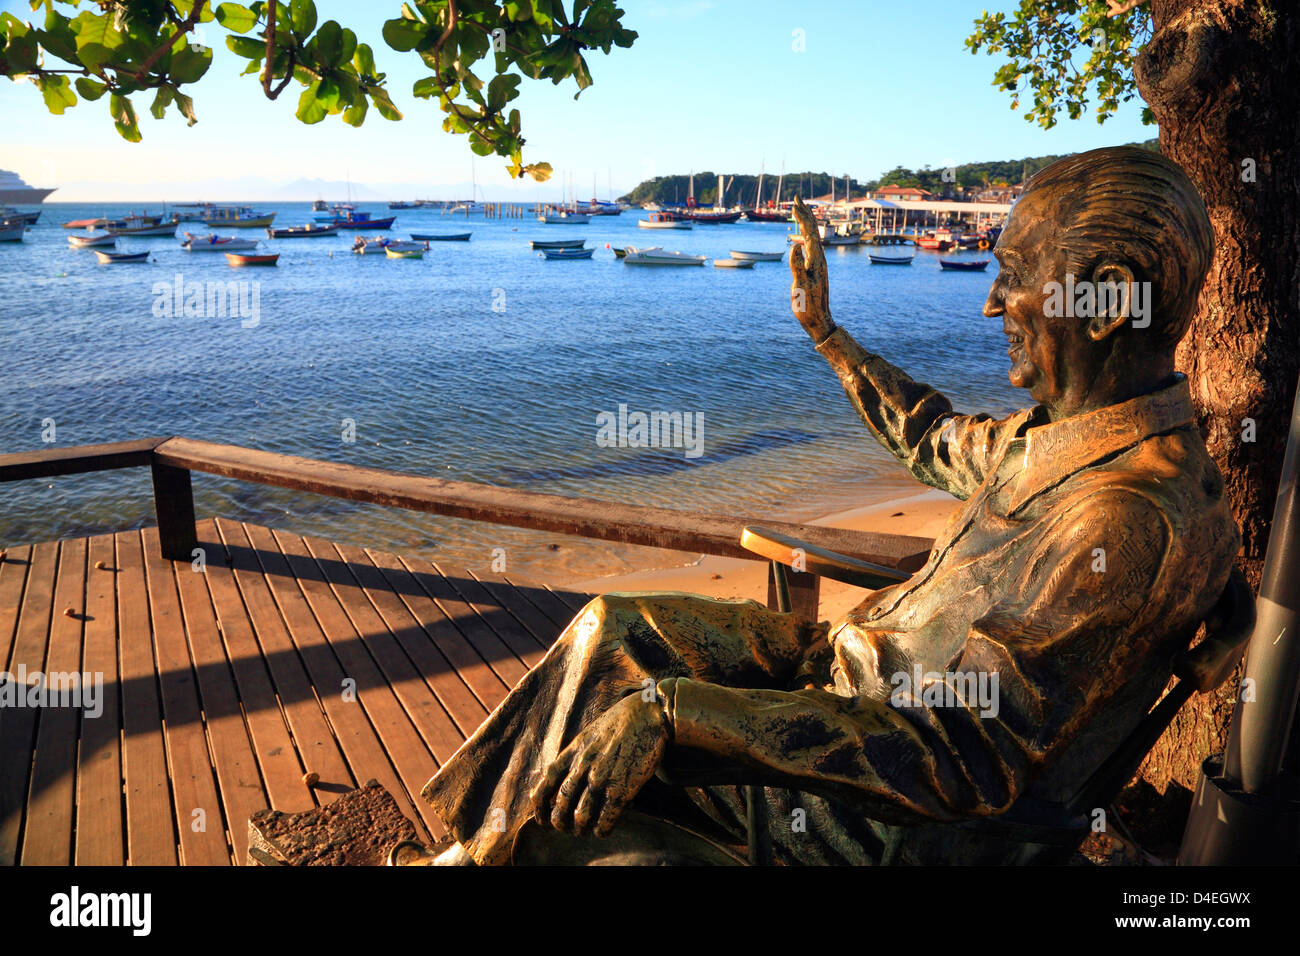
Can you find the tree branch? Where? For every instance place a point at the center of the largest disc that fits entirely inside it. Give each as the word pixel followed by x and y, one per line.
pixel 270 57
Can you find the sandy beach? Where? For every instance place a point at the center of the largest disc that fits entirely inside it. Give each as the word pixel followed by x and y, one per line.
pixel 922 514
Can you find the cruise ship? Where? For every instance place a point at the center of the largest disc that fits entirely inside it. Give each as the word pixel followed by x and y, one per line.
pixel 15 192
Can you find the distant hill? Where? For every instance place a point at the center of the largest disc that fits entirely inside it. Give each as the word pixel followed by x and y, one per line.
pixel 742 188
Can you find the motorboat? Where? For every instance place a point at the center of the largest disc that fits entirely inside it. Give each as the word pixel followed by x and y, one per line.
pixel 362 245
pixel 11 232
pixel 621 251
pixel 564 218
pixel 758 256
pixel 733 263
pixel 141 226
pixel 660 257
pixel 236 217
pixel 215 243
pixel 85 240
pixel 662 220
pixel 351 219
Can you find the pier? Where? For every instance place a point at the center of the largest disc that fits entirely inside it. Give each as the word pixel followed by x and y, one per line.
pixel 236 659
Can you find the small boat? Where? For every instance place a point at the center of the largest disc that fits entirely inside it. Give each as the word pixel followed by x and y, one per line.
pixel 301 232
pixel 363 246
pixel 392 253
pixel 238 259
pixel 758 256
pixel 214 243
pixel 835 239
pixel 236 217
pixel 891 260
pixel 113 258
pixel 568 253
pixel 715 218
pixel 16 216
pixel 85 240
pixel 351 219
pixel 402 205
pixel 660 257
pixel 662 220
pixel 933 244
pixel 564 218
pixel 621 251
pixel 11 232
pixel 85 224
pixel 964 265
pixel 441 237
pixel 558 244
pixel 758 215
pixel 320 206
pixel 733 263
pixel 141 226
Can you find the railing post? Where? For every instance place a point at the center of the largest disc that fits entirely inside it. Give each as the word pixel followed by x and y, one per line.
pixel 803 591
pixel 173 500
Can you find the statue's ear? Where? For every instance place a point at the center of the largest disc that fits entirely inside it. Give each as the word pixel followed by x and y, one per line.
pixel 1113 283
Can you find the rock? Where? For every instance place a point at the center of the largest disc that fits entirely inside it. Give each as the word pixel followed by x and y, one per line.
pixel 357 829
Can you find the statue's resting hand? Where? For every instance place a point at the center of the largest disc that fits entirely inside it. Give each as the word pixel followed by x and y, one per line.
pixel 603 768
pixel 809 290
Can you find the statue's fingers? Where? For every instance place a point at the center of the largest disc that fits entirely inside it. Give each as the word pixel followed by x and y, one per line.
pixel 545 789
pixel 615 801
pixel 797 267
pixel 588 805
pixel 570 789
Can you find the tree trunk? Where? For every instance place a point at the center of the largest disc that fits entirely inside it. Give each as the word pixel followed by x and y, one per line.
pixel 1221 77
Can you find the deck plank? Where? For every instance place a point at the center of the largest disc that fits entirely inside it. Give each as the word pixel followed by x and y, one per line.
pixel 495 615
pixel 150 820
pixel 417 641
pixel 363 718
pixel 99 834
pixel 312 738
pixel 18 725
pixel 51 797
pixel 516 599
pixel 488 688
pixel 198 807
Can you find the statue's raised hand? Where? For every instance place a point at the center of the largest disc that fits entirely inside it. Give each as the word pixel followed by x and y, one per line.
pixel 810 291
pixel 603 768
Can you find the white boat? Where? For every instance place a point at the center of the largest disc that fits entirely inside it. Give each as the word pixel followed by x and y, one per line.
pixel 564 218
pixel 660 221
pixel 838 240
pixel 381 244
pixel 661 257
pixel 85 240
pixel 757 256
pixel 215 243
pixel 733 263
pixel 13 191
pixel 11 233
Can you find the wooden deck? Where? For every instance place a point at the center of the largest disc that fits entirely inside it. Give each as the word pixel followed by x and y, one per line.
pixel 222 689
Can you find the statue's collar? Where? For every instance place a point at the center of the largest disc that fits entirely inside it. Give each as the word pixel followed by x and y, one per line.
pixel 1053 451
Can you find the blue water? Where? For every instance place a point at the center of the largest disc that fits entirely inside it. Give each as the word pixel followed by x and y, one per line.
pixel 481 362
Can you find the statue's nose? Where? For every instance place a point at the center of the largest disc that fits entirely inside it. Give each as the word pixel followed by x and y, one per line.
pixel 993 304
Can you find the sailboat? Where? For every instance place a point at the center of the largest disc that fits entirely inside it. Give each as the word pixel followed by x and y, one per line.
pixel 758 214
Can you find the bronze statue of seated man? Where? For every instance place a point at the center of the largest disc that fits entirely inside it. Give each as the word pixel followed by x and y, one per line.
pixel 1093 540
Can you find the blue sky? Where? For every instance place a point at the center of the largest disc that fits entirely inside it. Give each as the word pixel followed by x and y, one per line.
pixel 709 84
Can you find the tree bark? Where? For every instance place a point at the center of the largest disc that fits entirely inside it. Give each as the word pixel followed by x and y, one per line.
pixel 1222 77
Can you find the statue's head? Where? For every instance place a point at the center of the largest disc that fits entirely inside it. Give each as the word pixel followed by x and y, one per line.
pixel 1102 260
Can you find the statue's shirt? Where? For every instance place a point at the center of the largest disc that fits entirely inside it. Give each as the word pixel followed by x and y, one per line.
pixel 1037 635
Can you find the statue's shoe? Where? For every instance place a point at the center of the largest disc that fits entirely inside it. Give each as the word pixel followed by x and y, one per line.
pixel 412 853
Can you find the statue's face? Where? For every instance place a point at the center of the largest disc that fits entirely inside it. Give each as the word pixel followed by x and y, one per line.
pixel 1043 349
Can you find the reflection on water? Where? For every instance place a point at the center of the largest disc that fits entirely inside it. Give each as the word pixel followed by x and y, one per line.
pixel 482 362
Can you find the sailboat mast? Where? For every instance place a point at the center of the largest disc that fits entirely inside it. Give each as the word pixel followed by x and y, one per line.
pixel 758 201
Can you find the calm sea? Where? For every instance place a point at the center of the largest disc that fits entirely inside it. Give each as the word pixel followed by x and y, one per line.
pixel 481 362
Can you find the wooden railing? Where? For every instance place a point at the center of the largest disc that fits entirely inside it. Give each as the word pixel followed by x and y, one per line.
pixel 172 460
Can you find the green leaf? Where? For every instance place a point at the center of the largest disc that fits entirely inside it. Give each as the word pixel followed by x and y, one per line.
pixel 426 88
pixel 327 95
pixel 303 15
pixel 364 60
pixel 247 47
pixel 97 41
pixel 310 110
pixel 349 46
pixel 186 106
pixel 188 64
pixel 355 114
pixel 90 89
pixel 329 43
pixel 161 101
pixel 538 171
pixel 502 90
pixel 124 118
pixel 403 35
pixel 57 92
pixel 385 106
pixel 232 16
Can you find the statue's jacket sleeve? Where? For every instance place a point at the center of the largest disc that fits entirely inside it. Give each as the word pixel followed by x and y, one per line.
pixel 1060 649
pixel 914 422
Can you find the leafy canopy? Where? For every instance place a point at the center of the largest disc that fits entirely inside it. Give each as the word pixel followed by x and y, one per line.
pixel 120 48
pixel 1063 51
